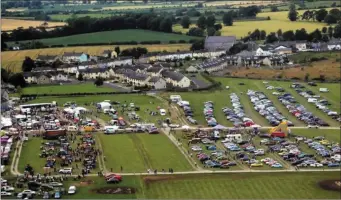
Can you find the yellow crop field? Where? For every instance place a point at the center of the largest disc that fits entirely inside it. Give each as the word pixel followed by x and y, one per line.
pixel 12 60
pixel 278 20
pixel 133 7
pixel 11 24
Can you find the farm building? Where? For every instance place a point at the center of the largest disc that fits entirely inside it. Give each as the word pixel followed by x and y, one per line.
pixel 47 58
pixel 213 43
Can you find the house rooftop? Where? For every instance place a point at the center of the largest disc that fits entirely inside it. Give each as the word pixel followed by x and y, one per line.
pixel 69 54
pixel 46 57
pixel 173 75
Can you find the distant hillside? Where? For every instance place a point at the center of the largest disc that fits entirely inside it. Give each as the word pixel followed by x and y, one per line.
pixel 137 35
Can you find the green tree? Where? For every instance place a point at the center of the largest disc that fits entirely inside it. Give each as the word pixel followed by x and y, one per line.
pixel 274 8
pixel 292 15
pixel 306 77
pixel 4 75
pixel 321 14
pixel 330 19
pixel 262 35
pixel 197 45
pixel 80 77
pixel 17 79
pixel 28 64
pixel 210 21
pixel 271 38
pixel 194 31
pixel 228 19
pixel 201 23
pixel 117 50
pixel 330 31
pixel 217 33
pixel 210 31
pixel 166 25
pixel 324 30
pixel 99 81
pixel 337 30
pixel 185 22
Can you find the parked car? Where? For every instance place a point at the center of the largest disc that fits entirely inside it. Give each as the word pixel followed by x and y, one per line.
pixel 65 171
pixel 4 193
pixel 72 190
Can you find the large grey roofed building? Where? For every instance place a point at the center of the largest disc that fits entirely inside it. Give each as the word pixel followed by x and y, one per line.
pixel 213 43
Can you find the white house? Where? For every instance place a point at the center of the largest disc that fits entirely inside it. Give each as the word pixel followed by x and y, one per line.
pixel 154 71
pixel 137 79
pixel 121 61
pixel 157 83
pixel 93 73
pixel 70 57
pixel 264 51
pixel 301 45
pixel 59 76
pixel 176 79
pixel 334 45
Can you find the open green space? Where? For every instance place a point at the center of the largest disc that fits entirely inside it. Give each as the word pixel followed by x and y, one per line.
pixel 137 35
pixel 140 152
pixel 332 135
pixel 30 155
pixel 65 89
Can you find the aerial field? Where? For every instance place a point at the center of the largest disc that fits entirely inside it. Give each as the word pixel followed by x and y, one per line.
pixel 140 152
pixel 278 20
pixel 147 6
pixel 137 35
pixel 12 60
pixel 11 24
pixel 68 88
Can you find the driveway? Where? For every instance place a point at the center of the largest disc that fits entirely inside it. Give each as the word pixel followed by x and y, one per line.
pixel 117 87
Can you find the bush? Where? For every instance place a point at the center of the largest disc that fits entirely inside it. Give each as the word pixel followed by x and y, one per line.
pixel 150 42
pixel 172 42
pixel 57 45
pixel 183 41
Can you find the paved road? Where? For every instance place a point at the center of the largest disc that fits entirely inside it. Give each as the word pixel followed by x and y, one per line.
pixel 117 87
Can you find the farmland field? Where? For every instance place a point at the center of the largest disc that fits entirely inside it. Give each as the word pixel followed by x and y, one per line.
pixel 11 24
pixel 140 152
pixel 64 89
pixel 115 36
pixel 240 3
pixel 12 60
pixel 278 20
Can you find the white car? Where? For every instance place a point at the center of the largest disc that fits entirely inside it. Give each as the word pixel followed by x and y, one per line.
pixel 312 126
pixel 27 192
pixel 65 171
pixel 56 184
pixel 7 188
pixel 196 148
pixel 162 112
pixel 316 165
pixel 72 190
pixel 174 125
pixel 3 181
pixel 3 193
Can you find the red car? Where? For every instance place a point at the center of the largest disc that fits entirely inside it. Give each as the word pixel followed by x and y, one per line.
pixel 112 175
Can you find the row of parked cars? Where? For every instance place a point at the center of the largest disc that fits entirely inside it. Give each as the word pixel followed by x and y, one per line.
pixel 209 113
pixel 266 108
pixel 237 115
pixel 321 104
pixel 185 105
pixel 299 111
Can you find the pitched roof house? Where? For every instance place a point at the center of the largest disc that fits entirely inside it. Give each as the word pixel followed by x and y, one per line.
pixel 157 83
pixel 70 57
pixel 47 58
pixel 176 79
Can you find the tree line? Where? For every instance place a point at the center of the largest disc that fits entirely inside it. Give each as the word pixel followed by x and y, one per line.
pixel 79 25
pixel 321 15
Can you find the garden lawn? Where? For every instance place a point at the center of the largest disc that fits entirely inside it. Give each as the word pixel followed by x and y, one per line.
pixel 30 155
pixel 139 152
pixel 107 37
pixel 65 89
pixel 12 60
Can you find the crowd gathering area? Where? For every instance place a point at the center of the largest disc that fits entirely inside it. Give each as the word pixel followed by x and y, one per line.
pixel 54 149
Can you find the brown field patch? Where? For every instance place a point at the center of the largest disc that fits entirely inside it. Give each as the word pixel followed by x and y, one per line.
pixel 334 185
pixel 115 190
pixel 329 68
pixel 11 24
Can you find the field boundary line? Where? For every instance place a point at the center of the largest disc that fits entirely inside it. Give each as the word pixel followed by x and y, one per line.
pixel 174 141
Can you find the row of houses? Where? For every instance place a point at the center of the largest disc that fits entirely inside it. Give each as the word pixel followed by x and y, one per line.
pixel 157 76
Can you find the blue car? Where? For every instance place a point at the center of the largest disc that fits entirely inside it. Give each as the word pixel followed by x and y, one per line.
pixel 333 165
pixel 57 195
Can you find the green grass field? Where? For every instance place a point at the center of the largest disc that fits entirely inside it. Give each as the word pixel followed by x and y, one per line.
pixel 30 155
pixel 140 152
pixel 332 135
pixel 116 36
pixel 64 89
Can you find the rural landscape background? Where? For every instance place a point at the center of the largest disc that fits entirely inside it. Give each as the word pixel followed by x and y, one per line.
pixel 38 36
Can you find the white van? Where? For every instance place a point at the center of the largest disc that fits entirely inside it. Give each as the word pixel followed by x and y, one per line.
pixel 324 90
pixel 312 100
pixel 72 128
pixel 162 112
